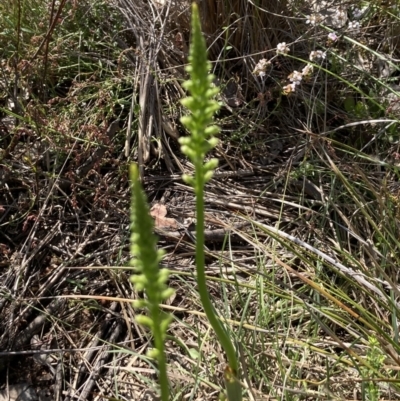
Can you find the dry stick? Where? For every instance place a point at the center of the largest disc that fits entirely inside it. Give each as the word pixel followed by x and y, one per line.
pixel 217 174
pixel 46 351
pixel 216 235
pixel 133 61
pixel 247 209
pixel 46 56
pixel 129 127
pixel 16 63
pixel 59 379
pixel 143 139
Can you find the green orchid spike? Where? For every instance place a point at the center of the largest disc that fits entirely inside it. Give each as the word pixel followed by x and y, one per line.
pixel 149 276
pixel 202 106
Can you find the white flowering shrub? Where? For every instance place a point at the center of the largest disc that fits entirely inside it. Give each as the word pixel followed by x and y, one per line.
pixel 340 50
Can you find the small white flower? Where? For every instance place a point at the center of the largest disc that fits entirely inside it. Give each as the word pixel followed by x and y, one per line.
pixel 295 77
pixel 289 88
pixel 332 36
pixel 307 70
pixel 261 67
pixel 317 55
pixel 313 19
pixel 282 48
pixel 354 26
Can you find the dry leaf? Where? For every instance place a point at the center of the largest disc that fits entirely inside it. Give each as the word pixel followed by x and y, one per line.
pixel 158 212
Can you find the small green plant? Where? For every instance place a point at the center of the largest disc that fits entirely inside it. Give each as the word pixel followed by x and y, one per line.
pixel 150 277
pixel 375 360
pixel 146 258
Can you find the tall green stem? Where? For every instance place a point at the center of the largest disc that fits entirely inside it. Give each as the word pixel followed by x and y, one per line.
pixel 159 339
pixel 201 280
